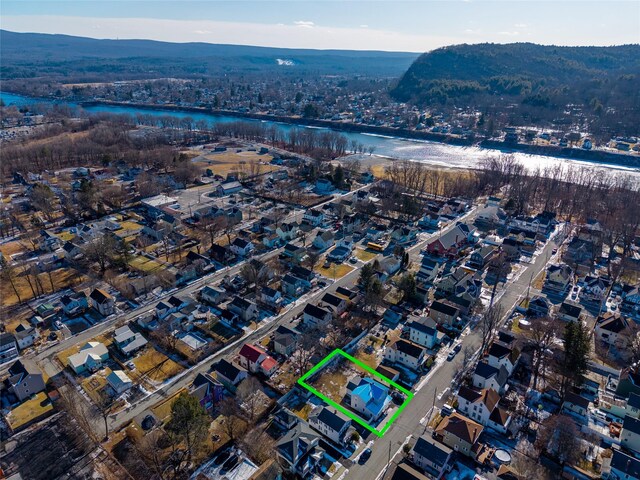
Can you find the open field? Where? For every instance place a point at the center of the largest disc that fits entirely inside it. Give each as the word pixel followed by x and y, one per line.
pixel 62 278
pixel 33 409
pixel 155 365
pixel 334 271
pixel 223 163
pixel 144 264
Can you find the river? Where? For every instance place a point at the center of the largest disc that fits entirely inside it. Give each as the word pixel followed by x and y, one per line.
pixel 424 151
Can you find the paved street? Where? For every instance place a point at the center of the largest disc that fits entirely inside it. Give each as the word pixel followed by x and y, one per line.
pixel 412 420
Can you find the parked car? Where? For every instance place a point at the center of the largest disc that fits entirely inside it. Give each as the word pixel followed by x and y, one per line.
pixel 447 409
pixel 353 260
pixel 364 456
pixel 454 352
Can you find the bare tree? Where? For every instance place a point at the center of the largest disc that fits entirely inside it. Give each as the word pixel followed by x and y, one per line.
pixel 249 395
pixel 234 426
pixel 9 274
pixel 489 323
pixel 541 339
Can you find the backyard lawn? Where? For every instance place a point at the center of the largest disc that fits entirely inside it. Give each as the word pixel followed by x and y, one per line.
pixel 38 407
pixel 62 278
pixel 155 365
pixel 365 255
pixel 94 385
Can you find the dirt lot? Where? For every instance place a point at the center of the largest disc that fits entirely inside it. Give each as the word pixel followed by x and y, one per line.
pixel 223 163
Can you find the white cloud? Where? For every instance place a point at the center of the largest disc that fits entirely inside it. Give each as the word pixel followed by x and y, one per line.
pixel 202 32
pixel 304 23
pixel 520 25
pixel 364 26
pixel 509 34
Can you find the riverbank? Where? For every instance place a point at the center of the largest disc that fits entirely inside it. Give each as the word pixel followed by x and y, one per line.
pixel 595 156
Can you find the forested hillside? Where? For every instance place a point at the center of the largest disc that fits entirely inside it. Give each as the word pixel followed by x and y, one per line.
pixel 532 80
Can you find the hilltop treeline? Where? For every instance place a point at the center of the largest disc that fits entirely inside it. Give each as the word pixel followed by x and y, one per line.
pixel 531 84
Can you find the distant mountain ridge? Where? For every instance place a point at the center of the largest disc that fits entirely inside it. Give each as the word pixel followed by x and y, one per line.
pixel 529 71
pixel 20 50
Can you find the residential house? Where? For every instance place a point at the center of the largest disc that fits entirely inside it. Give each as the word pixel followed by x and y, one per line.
pixel 633 405
pixel 630 434
pixel 102 302
pixel 74 303
pixel 324 240
pixel 390 265
pixel 503 356
pixel 285 340
pixel 576 404
pixel 228 188
pixel 332 423
pixel 370 398
pixel 271 240
pixel 450 243
pixel 206 390
pixel 25 379
pixel 569 312
pixel 432 456
pixel 388 372
pixel 90 358
pixel 287 231
pixel 628 381
pixel 271 297
pixel 8 347
pixel 558 279
pixel 25 336
pixel 595 289
pixel 488 376
pixel 314 218
pixel 256 360
pixel 404 471
pixel 423 331
pixel 119 381
pixel 334 303
pixel 630 304
pixel 241 247
pixel 403 235
pixel 292 286
pixel 298 450
pixel 406 353
pixel 443 313
pixel 221 255
pixel 128 342
pixel 304 274
pixel 481 257
pixel 429 270
pixel 491 216
pixel 245 309
pixel 459 433
pixel 482 406
pixel 539 307
pixel 295 252
pixel 581 254
pixel 610 328
pixel 229 374
pixel 511 248
pixel 316 316
pixel 213 295
pixel 461 282
pixel 624 466
pixel 324 186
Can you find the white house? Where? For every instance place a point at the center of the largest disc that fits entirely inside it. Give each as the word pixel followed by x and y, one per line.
pixel 423 332
pixel 287 231
pixel 313 217
pixel 503 356
pixel 429 270
pixel 315 316
pixel 245 309
pixel 271 297
pixel 370 398
pixel 406 353
pixel 26 336
pixel 102 302
pixel 119 381
pixel 432 456
pixel 477 404
pixel 241 247
pixel 330 422
pixel 324 240
pixel 487 376
pixel 611 328
pixel 334 303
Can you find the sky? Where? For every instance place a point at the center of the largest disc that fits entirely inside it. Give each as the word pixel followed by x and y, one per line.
pixel 414 26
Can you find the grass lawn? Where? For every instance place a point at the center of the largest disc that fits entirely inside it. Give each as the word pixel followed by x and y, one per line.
pixel 331 384
pixel 303 411
pixel 143 264
pixel 334 271
pixel 365 255
pixel 39 406
pixel 369 359
pixel 62 278
pixel 11 248
pixel 155 365
pixel 162 410
pixel 94 385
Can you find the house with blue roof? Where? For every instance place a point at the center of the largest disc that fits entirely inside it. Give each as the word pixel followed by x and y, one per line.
pixel 370 398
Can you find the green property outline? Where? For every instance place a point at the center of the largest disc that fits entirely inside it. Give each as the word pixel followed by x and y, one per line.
pixel 348 413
